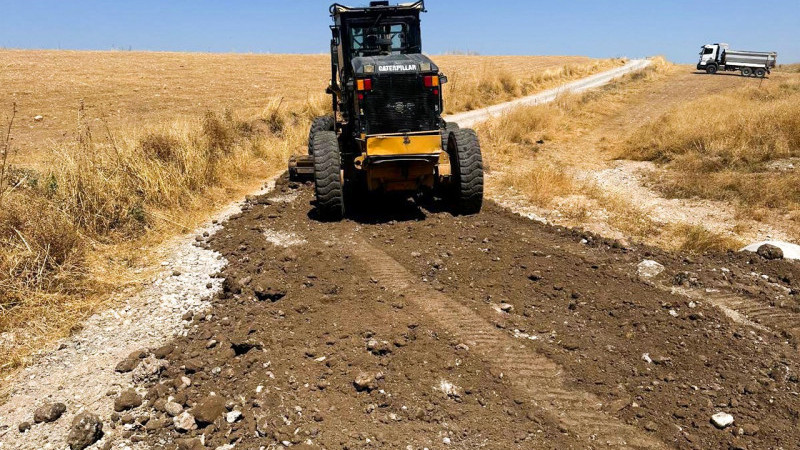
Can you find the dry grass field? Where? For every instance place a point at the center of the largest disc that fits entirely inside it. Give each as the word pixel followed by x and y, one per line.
pixel 134 91
pixel 132 148
pixel 740 145
pixel 789 68
pixel 724 147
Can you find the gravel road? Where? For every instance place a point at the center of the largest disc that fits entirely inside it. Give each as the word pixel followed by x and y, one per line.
pixel 407 326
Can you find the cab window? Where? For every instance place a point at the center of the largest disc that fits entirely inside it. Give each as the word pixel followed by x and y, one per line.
pixel 383 39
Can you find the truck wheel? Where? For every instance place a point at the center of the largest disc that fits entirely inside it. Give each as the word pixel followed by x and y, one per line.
pixel 448 127
pixel 761 73
pixel 746 72
pixel 711 70
pixel 321 123
pixel 328 176
pixel 467 168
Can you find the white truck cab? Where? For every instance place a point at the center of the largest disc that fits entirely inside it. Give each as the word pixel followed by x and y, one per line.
pixel 711 53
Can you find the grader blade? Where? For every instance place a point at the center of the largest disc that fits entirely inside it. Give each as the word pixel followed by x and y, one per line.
pixel 301 168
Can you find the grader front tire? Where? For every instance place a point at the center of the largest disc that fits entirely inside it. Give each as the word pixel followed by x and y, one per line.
pixel 321 123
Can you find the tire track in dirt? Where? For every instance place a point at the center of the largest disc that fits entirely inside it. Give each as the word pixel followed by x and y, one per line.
pixel 535 377
pixel 747 311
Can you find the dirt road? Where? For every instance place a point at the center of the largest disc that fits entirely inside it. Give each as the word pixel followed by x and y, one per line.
pixel 470 118
pixel 410 327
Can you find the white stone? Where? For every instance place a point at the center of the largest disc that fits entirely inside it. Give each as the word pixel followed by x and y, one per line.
pixel 173 409
pixel 721 420
pixel 184 422
pixel 649 269
pixel 233 416
pixel 449 389
pixel 446 441
pixel 38 118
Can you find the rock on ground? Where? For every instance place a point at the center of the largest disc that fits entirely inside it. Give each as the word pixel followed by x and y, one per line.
pixel 86 430
pixel 649 269
pixel 173 409
pixel 769 251
pixel 148 369
pixel 128 399
pixel 49 412
pixel 789 250
pixel 721 420
pixel 184 422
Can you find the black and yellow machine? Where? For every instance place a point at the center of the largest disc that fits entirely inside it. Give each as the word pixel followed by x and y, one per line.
pixel 386 133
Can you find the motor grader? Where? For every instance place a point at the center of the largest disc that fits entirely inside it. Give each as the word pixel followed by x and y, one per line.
pixel 386 133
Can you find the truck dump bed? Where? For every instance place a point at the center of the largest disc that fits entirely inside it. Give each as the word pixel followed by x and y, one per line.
pixel 753 59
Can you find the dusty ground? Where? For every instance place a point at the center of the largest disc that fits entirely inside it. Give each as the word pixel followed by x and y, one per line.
pixel 417 328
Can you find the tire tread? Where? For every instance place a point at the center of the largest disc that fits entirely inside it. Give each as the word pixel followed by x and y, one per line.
pixel 327 175
pixel 467 170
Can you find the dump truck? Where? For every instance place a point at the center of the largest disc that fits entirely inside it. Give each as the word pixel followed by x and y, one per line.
pixel 719 57
pixel 386 134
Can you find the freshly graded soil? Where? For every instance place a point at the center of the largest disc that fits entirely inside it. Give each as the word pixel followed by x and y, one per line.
pixel 408 327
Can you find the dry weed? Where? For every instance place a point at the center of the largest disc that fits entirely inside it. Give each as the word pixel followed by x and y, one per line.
pixel 723 146
pixel 113 189
pixel 698 239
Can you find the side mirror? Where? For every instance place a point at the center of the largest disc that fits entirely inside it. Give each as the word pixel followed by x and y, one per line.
pixel 442 79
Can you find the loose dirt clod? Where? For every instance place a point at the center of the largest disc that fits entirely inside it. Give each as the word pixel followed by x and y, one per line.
pixel 128 399
pixel 208 410
pixel 49 412
pixel 770 252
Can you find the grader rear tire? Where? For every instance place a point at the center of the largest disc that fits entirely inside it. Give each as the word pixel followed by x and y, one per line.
pixel 321 123
pixel 328 176
pixel 467 169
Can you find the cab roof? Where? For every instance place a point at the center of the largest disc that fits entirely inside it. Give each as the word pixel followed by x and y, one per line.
pixel 378 7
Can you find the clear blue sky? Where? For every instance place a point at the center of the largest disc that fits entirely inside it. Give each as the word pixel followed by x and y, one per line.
pixel 599 28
